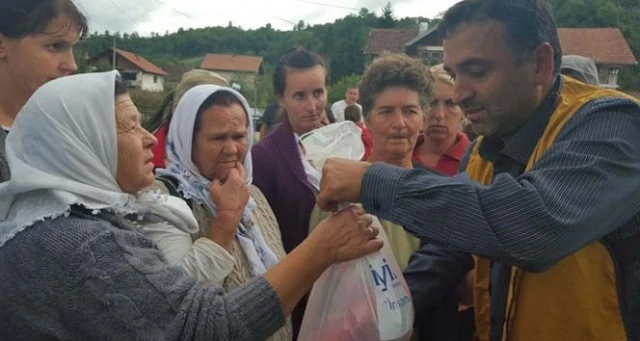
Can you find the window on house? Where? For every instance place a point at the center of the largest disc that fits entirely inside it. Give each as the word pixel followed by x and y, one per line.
pixel 613 76
pixel 155 79
pixel 129 76
pixel 431 55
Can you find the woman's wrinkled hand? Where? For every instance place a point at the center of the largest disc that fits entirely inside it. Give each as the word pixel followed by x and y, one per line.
pixel 230 198
pixel 346 235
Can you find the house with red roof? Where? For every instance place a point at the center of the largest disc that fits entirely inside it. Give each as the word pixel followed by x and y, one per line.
pixel 136 70
pixel 234 67
pixel 606 46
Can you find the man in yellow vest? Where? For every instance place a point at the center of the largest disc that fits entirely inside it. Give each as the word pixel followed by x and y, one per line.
pixel 548 202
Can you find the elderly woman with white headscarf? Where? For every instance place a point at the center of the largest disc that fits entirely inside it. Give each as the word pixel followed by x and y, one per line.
pixel 73 262
pixel 238 236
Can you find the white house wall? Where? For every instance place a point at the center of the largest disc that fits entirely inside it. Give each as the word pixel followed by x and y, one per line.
pixel 151 82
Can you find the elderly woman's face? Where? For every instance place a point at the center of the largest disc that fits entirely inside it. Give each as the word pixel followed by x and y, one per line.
pixel 444 118
pixel 221 142
pixel 135 169
pixel 395 121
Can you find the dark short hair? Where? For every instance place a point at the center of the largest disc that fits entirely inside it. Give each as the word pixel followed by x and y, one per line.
pixel 120 87
pixel 527 24
pixel 352 113
pixel 394 70
pixel 330 116
pixel 20 18
pixel 220 98
pixel 298 59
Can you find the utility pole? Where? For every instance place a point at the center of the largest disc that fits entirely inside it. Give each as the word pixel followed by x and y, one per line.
pixel 114 53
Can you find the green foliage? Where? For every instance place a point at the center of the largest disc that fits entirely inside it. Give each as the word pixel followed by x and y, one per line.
pixel 341 42
pixel 387 19
pixel 338 89
pixel 147 102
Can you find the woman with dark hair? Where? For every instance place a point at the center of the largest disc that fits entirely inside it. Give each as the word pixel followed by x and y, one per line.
pixel 73 262
pixel 36 45
pixel 282 172
pixel 395 92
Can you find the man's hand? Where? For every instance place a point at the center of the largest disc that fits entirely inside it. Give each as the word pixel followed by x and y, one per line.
pixel 341 182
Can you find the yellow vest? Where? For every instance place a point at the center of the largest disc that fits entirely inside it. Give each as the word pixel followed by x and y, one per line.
pixel 574 300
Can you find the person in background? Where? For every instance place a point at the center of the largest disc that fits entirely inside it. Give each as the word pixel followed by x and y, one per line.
pixel 270 119
pixel 37 38
pixel 160 122
pixel 327 117
pixel 443 143
pixel 351 96
pixel 237 236
pixel 73 262
pixel 549 200
pixel 354 114
pixel 467 129
pixel 581 68
pixel 282 171
pixel 441 147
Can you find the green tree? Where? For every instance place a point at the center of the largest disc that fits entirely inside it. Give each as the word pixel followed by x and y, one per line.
pixel 387 18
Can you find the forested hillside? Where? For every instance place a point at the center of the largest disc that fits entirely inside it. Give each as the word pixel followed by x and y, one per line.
pixel 342 41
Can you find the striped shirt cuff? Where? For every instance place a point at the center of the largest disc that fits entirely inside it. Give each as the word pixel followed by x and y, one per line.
pixel 379 187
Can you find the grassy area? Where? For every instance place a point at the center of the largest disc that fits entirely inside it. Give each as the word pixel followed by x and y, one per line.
pixel 193 62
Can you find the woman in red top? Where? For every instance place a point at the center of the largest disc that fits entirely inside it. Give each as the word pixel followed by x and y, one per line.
pixel 159 123
pixel 443 143
pixel 354 114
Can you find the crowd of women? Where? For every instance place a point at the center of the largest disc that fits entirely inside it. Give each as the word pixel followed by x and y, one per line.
pixel 224 240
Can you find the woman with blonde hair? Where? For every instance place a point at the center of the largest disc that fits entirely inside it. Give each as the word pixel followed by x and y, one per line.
pixel 443 143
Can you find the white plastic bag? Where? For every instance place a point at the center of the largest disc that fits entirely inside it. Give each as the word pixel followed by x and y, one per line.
pixel 343 140
pixel 366 299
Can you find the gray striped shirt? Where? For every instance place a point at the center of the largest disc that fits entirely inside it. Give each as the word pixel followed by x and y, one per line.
pixel 585 187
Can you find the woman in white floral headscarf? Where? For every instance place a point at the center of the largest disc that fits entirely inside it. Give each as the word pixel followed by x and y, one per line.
pixel 73 263
pixel 210 136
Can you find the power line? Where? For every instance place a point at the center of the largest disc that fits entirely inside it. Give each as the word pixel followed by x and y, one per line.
pixel 176 11
pixel 126 16
pixel 285 20
pixel 329 5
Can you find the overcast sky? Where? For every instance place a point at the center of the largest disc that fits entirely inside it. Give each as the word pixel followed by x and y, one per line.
pixel 146 16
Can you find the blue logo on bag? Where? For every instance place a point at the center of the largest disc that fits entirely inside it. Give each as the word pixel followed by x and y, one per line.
pixel 387 277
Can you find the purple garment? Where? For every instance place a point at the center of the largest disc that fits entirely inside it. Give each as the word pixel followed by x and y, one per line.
pixel 279 174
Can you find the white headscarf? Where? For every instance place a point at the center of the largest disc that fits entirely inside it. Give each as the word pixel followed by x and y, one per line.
pixel 194 186
pixel 62 151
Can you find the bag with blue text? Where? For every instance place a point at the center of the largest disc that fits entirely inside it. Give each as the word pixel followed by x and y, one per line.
pixel 366 299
